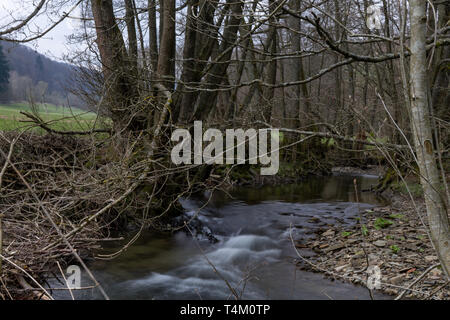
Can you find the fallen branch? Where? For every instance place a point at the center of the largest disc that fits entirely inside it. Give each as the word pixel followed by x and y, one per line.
pixel 162 118
pixel 27 274
pixel 43 125
pixel 100 212
pixel 55 226
pixel 338 137
pixel 416 281
pixel 39 295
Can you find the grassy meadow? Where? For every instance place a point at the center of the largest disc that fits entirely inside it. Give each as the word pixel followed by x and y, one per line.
pixel 56 117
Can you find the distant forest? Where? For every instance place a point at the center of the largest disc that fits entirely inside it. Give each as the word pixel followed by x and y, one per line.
pixel 34 77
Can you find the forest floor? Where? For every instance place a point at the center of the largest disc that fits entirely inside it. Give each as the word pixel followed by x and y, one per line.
pixel 392 237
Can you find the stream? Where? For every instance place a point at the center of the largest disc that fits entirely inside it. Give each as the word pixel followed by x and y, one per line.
pixel 253 254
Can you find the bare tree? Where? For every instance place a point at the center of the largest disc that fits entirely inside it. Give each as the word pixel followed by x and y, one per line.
pixel 423 138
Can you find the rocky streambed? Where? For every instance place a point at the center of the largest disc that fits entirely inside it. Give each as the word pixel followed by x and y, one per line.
pixel 392 238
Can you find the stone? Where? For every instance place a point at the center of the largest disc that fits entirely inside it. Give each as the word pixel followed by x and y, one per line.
pixel 397 279
pixel 314 220
pixel 392 292
pixel 411 247
pixel 328 233
pixel 380 243
pixel 377 234
pixel 335 247
pixel 340 268
pixel 357 264
pixel 403 270
pixel 435 274
pixel 430 259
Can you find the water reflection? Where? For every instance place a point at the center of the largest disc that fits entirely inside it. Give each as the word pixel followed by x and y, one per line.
pixel 313 189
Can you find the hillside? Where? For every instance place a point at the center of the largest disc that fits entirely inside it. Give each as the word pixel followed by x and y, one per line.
pixel 33 74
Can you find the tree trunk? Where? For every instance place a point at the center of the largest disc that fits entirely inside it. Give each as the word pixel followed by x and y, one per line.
pixel 423 140
pixel 166 61
pixel 153 38
pixel 398 116
pixel 188 77
pixel 205 35
pixel 120 88
pixel 271 75
pixel 246 42
pixel 215 76
pixel 440 79
pixel 131 30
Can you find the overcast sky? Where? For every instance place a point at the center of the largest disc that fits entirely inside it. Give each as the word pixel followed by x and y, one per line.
pixel 54 44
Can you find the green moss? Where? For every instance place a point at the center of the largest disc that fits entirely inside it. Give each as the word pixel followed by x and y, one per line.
pixel 395 249
pixel 414 188
pixel 381 223
pixel 346 234
pixel 364 231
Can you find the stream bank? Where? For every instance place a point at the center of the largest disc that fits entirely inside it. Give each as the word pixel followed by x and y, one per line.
pixel 391 237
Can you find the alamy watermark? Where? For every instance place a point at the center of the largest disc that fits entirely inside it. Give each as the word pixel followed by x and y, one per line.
pixel 235 140
pixel 373 21
pixel 75 20
pixel 73 277
pixel 374 277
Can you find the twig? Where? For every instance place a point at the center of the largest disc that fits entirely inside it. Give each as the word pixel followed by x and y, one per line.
pixel 103 210
pixel 337 137
pixel 233 291
pixel 36 293
pixel 1 242
pixel 8 159
pixel 362 233
pixel 437 290
pixel 400 296
pixel 65 280
pixel 44 126
pixel 58 230
pixel 28 275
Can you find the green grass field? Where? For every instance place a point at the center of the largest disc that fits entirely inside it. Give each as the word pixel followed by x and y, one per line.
pixel 57 117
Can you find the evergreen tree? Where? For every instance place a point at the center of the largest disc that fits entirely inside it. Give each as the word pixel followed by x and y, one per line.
pixel 4 71
pixel 39 64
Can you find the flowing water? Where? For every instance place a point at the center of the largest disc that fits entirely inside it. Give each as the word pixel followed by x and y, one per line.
pixel 254 254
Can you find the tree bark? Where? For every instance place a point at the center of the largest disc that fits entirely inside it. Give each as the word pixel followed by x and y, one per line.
pixel 153 38
pixel 120 88
pixel 440 79
pixel 188 76
pixel 271 73
pixel 215 76
pixel 131 30
pixel 420 124
pixel 166 60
